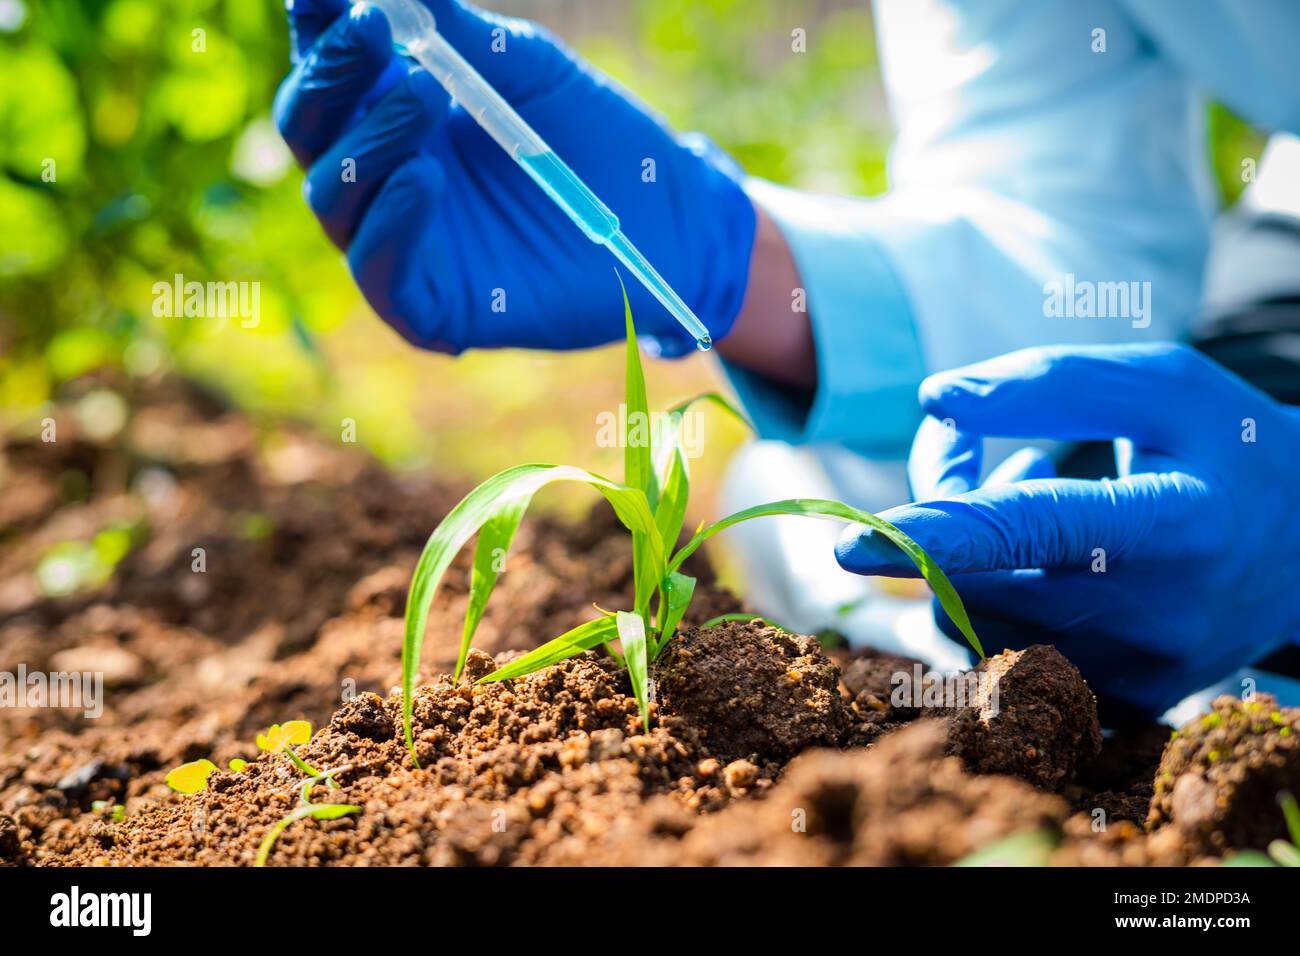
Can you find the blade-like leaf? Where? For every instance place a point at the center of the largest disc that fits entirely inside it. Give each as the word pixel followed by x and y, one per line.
pixel 671 465
pixel 631 631
pixel 638 453
pixel 638 457
pixel 678 591
pixel 582 638
pixel 494 540
pixel 816 507
pixel 479 507
pixel 1291 812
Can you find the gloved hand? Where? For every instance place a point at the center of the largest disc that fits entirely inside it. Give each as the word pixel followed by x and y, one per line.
pixel 1154 585
pixel 452 243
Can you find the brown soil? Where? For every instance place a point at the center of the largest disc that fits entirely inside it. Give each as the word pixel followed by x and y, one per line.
pixel 1219 780
pixel 1035 719
pixel 753 690
pixel 758 751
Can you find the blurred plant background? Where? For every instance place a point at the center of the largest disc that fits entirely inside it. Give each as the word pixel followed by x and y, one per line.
pixel 165 161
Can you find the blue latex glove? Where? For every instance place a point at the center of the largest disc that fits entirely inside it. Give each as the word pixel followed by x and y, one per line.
pixel 1200 533
pixel 451 243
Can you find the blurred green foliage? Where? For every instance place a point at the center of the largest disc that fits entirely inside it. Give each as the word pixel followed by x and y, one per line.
pixel 136 143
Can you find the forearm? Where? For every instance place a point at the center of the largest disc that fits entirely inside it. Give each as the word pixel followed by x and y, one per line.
pixel 772 335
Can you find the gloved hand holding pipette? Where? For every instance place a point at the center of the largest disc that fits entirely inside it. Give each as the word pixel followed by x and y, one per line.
pixel 450 240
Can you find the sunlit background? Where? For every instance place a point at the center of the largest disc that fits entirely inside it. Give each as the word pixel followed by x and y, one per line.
pixel 167 162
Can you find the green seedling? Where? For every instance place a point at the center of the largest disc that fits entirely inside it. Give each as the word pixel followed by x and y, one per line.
pixel 651 503
pixel 284 737
pixel 114 811
pixel 191 777
pixel 305 808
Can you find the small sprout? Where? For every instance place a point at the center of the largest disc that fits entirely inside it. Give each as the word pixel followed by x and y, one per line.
pixel 1211 720
pixel 191 777
pixel 651 503
pixel 1214 755
pixel 115 811
pixel 323 811
pixel 284 735
pixel 237 765
pixel 1284 732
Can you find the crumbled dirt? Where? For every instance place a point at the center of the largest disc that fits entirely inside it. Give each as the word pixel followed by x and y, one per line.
pixel 901 802
pixel 759 750
pixel 1218 783
pixel 308 550
pixel 1121 779
pixel 1036 719
pixel 752 689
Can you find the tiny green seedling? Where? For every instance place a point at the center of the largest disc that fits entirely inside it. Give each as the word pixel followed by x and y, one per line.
pixel 284 737
pixel 305 808
pixel 114 811
pixel 651 503
pixel 191 777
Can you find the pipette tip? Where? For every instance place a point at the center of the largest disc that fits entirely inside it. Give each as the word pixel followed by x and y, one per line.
pixel 704 343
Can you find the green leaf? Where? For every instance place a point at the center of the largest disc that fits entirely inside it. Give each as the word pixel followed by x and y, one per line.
pixel 678 590
pixel 638 457
pixel 818 508
pixel 323 811
pixel 479 507
pixel 1027 848
pixel 672 468
pixel 638 454
pixel 191 777
pixel 631 631
pixel 288 734
pixel 582 638
pixel 1291 811
pixel 1284 853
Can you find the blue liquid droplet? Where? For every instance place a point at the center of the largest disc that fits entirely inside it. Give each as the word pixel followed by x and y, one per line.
pixel 704 344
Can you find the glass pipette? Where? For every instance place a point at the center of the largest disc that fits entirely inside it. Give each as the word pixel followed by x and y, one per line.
pixel 415 34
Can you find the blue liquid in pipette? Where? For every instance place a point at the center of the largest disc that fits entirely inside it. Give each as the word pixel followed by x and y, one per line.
pixel 601 226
